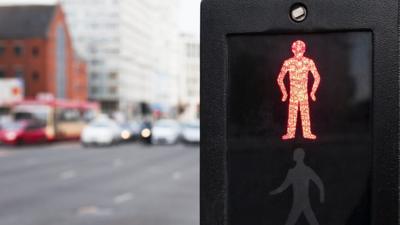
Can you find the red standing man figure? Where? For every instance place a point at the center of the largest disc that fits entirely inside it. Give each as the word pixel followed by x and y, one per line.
pixel 298 68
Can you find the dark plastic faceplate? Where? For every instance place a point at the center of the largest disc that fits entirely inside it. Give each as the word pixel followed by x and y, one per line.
pixel 221 18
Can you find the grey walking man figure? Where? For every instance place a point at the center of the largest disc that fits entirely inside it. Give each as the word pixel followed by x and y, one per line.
pixel 299 177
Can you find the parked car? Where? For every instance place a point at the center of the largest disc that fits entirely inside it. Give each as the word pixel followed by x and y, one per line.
pixel 102 132
pixel 146 132
pixel 191 132
pixel 136 129
pixel 23 132
pixel 130 131
pixel 165 132
pixel 4 120
pixel 126 132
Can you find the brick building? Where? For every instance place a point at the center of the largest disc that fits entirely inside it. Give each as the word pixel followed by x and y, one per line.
pixel 35 46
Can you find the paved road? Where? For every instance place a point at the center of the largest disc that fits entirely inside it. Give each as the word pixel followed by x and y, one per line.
pixel 64 184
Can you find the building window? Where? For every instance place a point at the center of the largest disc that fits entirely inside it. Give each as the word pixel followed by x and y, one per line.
pixel 113 76
pixel 2 74
pixel 35 76
pixel 94 76
pixel 93 49
pixel 192 50
pixel 35 51
pixel 18 50
pixel 96 62
pixel 94 90
pixel 19 73
pixel 113 90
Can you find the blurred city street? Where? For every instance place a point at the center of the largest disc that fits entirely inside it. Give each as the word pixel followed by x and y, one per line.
pixel 66 184
pixel 119 73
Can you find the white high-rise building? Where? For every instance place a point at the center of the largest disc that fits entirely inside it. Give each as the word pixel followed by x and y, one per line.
pixel 189 79
pixel 131 49
pixel 167 64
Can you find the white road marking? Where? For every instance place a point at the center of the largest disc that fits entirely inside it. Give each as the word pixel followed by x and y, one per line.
pixel 94 211
pixel 70 174
pixel 120 199
pixel 4 154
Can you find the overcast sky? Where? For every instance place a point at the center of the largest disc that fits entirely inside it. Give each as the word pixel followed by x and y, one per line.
pixel 190 16
pixel 189 13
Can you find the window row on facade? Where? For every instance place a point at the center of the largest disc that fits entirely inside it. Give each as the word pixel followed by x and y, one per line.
pixel 18 50
pixel 18 73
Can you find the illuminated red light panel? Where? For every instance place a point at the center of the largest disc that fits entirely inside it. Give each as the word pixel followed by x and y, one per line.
pixel 298 68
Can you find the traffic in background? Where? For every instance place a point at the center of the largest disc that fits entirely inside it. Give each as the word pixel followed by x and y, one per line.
pixel 50 120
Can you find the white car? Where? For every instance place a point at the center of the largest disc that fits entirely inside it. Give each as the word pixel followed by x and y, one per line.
pixel 101 132
pixel 165 132
pixel 191 132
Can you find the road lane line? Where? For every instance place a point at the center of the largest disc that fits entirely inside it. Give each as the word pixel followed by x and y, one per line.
pixel 94 211
pixel 4 154
pixel 70 174
pixel 120 199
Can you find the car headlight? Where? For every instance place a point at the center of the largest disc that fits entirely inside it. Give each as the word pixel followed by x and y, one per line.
pixel 125 135
pixel 146 133
pixel 11 136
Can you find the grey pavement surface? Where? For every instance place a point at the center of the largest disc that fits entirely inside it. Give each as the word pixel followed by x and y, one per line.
pixel 132 184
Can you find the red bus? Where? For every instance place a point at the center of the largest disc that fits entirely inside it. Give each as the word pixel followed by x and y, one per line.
pixel 63 119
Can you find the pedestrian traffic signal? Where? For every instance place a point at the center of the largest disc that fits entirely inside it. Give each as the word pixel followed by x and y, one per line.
pixel 298 68
pixel 299 178
pixel 299 112
pixel 259 158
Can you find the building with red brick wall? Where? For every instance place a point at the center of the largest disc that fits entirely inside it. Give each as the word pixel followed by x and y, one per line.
pixel 79 85
pixel 35 46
